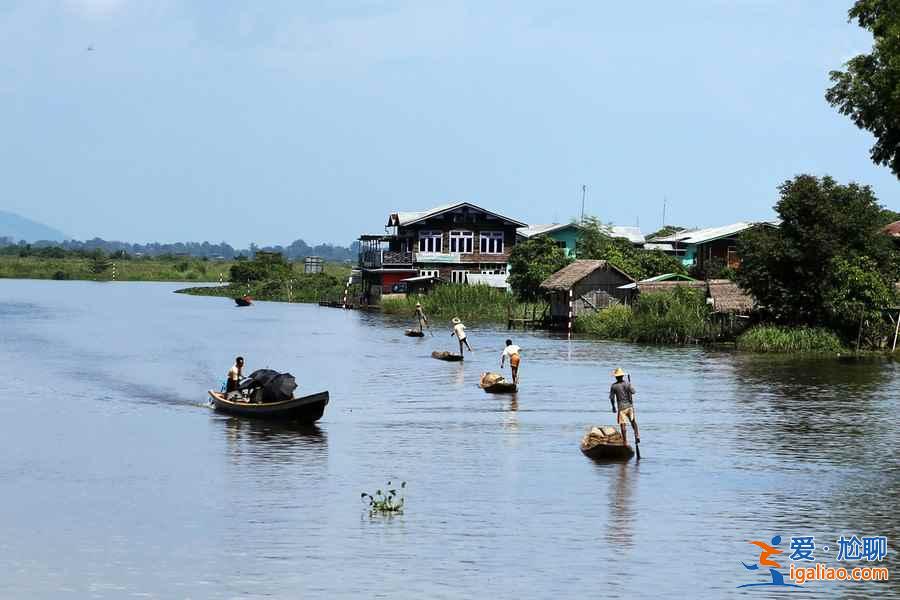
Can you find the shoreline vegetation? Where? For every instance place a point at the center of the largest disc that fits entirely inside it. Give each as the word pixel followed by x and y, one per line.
pixel 105 268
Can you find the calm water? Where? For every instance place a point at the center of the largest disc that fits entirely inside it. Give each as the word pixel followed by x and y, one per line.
pixel 116 480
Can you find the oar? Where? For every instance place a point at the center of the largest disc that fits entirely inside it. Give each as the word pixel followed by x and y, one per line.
pixel 637 446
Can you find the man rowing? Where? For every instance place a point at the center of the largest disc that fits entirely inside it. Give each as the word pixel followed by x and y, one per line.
pixel 420 316
pixel 459 330
pixel 621 396
pixel 512 353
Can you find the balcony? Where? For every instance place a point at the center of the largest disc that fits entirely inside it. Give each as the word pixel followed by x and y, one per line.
pixel 387 259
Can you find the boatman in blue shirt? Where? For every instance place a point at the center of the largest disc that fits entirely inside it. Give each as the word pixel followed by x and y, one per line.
pixel 621 396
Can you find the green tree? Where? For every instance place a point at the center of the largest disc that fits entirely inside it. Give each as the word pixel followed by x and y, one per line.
pixel 533 261
pixel 666 230
pixel 265 266
pixel 828 262
pixel 868 91
pixel 595 242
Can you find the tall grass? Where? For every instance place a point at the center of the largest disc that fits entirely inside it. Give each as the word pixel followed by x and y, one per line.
pixel 136 269
pixel 468 302
pixel 789 340
pixel 678 316
pixel 299 287
pixel 611 323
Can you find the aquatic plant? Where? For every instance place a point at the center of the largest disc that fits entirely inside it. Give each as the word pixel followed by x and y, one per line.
pixel 779 339
pixel 468 302
pixel 388 502
pixel 610 323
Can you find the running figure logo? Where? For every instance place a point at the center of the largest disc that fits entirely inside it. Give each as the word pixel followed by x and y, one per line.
pixel 765 560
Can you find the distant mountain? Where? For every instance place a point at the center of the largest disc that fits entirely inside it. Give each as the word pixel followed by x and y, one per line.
pixel 18 228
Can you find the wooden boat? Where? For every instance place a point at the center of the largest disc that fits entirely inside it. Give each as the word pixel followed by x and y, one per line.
pixel 306 409
pixel 243 301
pixel 448 356
pixel 608 452
pixel 414 333
pixel 605 444
pixel 501 387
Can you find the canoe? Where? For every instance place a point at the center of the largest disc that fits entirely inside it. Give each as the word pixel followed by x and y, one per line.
pixel 414 333
pixel 306 409
pixel 608 452
pixel 243 301
pixel 605 443
pixel 448 356
pixel 501 387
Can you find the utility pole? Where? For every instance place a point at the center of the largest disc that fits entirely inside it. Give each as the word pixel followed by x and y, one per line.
pixel 664 213
pixel 583 194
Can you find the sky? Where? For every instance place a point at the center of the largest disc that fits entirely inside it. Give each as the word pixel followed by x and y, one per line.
pixel 270 121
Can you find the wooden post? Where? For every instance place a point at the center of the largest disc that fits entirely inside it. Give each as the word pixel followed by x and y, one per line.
pixel 571 309
pixel 859 333
pixel 896 330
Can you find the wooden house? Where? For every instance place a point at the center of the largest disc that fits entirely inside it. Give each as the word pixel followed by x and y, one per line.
pixel 584 286
pixel 448 242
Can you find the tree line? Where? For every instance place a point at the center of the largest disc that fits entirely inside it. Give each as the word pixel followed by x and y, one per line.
pixel 123 250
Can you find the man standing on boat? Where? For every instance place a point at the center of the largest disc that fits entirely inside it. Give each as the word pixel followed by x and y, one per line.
pixel 512 353
pixel 420 317
pixel 235 373
pixel 621 396
pixel 459 330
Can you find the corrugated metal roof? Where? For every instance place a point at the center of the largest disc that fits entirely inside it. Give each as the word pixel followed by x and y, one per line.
pixel 533 230
pixel 632 234
pixel 708 234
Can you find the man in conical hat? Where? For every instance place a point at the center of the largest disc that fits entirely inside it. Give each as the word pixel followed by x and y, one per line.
pixel 420 316
pixel 621 396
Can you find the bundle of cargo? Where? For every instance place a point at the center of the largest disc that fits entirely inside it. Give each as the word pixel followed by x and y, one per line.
pixel 495 383
pixel 605 443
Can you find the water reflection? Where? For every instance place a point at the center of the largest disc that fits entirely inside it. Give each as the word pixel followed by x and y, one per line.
pixel 620 532
pixel 276 442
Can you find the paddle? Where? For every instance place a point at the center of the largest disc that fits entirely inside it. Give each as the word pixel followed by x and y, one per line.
pixel 637 445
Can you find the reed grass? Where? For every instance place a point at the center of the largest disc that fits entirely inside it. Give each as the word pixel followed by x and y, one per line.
pixel 790 340
pixel 468 302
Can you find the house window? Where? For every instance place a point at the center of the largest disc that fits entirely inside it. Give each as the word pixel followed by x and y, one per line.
pixel 429 273
pixel 461 242
pixel 487 269
pixel 459 276
pixel 430 241
pixel 492 242
pixel 561 244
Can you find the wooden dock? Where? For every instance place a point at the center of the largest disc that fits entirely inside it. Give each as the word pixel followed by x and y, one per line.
pixel 532 320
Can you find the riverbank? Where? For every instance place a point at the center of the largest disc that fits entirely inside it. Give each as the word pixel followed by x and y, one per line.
pixel 296 287
pixel 107 269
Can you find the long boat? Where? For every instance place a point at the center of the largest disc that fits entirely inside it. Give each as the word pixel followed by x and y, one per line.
pixel 608 452
pixel 414 333
pixel 449 356
pixel 306 409
pixel 501 387
pixel 243 301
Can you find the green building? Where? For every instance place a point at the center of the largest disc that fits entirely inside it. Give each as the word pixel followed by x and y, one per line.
pixel 566 235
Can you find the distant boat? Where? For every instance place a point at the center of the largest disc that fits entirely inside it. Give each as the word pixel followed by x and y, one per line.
pixel 414 333
pixel 448 356
pixel 243 301
pixel 306 409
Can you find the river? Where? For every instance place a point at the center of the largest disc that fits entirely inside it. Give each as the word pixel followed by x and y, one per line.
pixel 116 480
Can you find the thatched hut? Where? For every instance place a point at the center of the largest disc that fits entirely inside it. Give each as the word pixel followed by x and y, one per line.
pixel 726 297
pixel 584 286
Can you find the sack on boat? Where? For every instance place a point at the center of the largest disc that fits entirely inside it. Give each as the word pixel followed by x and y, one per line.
pixel 602 434
pixel 489 379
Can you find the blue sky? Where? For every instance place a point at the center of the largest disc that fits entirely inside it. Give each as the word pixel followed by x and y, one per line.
pixel 271 121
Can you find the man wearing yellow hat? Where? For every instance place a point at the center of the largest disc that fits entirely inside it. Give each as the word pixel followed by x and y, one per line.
pixel 621 397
